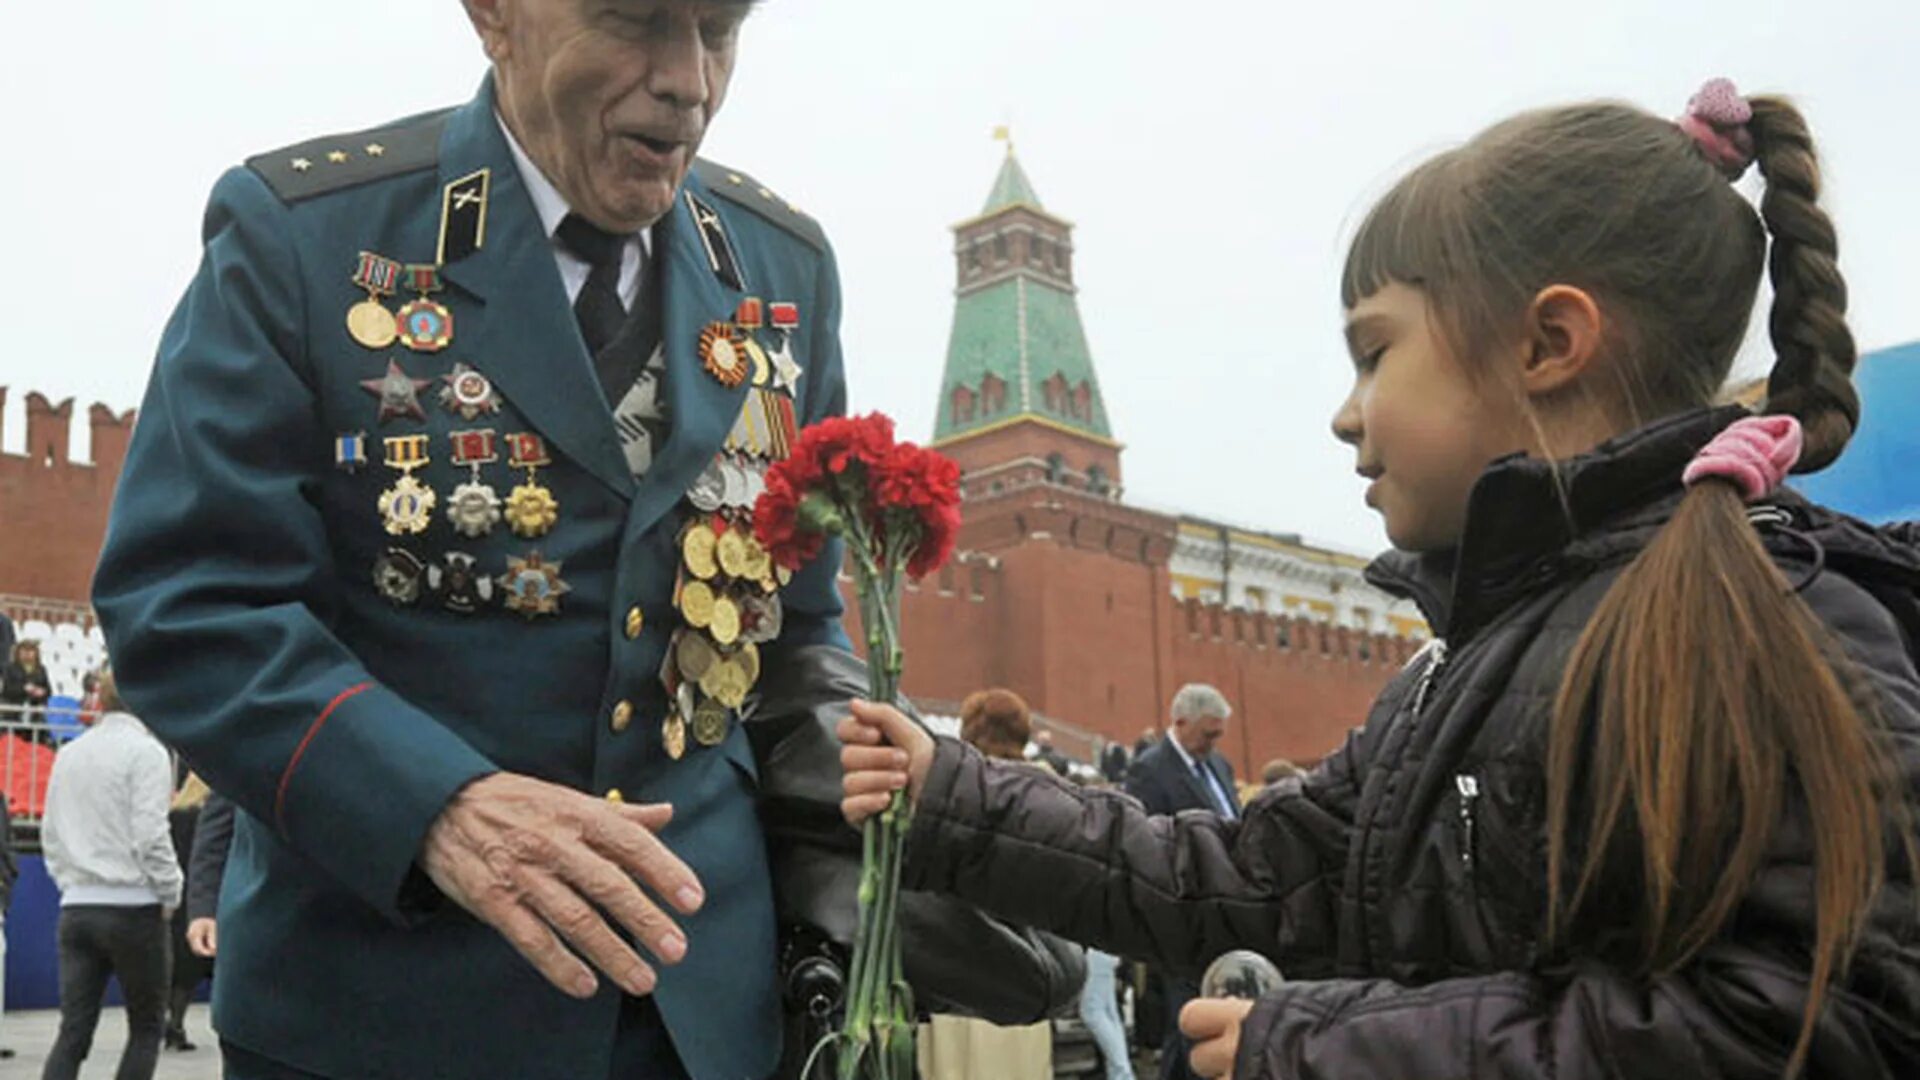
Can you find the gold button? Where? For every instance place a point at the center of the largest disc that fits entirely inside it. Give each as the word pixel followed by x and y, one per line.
pixel 622 716
pixel 635 620
pixel 614 796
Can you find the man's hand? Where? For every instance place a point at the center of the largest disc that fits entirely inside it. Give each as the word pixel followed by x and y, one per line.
pixel 535 860
pixel 1213 1025
pixel 883 752
pixel 202 938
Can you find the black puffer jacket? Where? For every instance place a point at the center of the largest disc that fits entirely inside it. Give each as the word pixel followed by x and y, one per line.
pixel 1401 886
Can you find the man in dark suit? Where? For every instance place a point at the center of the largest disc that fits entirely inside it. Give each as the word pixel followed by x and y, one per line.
pixel 433 553
pixel 1183 772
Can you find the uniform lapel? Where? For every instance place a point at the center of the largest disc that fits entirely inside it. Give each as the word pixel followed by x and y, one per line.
pixel 702 409
pixel 523 335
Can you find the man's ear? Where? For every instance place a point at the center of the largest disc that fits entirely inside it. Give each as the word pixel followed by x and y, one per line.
pixel 490 19
pixel 1563 334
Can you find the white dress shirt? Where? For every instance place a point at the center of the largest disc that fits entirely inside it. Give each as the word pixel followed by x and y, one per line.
pixel 105 834
pixel 553 209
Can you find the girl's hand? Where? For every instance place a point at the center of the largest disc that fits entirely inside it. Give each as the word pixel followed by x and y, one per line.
pixel 883 752
pixel 1213 1024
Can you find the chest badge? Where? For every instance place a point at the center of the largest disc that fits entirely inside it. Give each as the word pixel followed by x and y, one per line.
pixel 369 322
pixel 468 394
pixel 533 586
pixel 407 506
pixel 398 393
pixel 457 581
pixel 425 325
pixel 474 507
pixel 397 576
pixel 531 508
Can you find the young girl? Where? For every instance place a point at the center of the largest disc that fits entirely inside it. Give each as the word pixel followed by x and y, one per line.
pixel 1644 807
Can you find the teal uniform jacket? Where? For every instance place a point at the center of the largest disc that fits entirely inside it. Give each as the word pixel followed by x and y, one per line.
pixel 240 608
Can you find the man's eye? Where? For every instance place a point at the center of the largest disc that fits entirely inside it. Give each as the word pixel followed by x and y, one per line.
pixel 720 32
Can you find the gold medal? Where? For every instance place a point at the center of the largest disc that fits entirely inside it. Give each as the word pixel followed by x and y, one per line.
pixel 407 506
pixel 759 565
pixel 731 550
pixel 697 604
pixel 673 735
pixel 721 355
pixel 748 659
pixel 710 724
pixel 531 508
pixel 697 548
pixel 369 321
pixel 724 621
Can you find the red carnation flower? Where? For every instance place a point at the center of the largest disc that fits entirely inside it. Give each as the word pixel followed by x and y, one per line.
pixel 778 526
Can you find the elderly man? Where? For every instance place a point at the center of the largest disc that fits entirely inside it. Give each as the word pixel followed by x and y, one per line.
pixel 111 854
pixel 1183 772
pixel 497 811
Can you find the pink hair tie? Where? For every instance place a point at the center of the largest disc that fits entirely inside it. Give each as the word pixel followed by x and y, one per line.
pixel 1755 453
pixel 1716 120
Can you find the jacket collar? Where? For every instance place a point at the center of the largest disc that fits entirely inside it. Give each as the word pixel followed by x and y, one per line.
pixel 1524 521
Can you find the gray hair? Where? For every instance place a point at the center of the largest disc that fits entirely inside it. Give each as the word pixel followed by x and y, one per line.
pixel 1196 700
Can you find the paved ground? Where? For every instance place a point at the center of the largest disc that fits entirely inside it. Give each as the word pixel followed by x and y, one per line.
pixel 30 1035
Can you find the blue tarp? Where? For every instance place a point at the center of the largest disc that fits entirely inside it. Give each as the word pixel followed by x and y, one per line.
pixel 1878 477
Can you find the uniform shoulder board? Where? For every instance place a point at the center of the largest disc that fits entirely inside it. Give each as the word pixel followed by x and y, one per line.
pixel 337 162
pixel 738 187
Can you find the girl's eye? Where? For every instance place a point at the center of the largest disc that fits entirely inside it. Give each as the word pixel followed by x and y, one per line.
pixel 1370 360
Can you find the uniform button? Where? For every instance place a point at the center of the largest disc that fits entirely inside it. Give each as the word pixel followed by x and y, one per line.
pixel 622 716
pixel 614 796
pixel 635 621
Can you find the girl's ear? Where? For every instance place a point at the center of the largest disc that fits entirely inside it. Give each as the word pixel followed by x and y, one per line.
pixel 1564 327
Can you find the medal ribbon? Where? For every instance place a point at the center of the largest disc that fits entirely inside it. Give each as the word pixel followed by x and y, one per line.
pixel 406 452
pixel 377 274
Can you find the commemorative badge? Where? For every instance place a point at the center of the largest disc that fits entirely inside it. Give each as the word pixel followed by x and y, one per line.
pixel 709 723
pixel 721 354
pixel 398 393
pixel 730 551
pixel 397 576
pixel 532 586
pixel 407 506
pixel 350 451
pixel 369 322
pixel 467 393
pixel 458 582
pixel 724 621
pixel 697 551
pixel 531 508
pixel 425 324
pixel 709 489
pixel 673 735
pixel 693 656
pixel 697 602
pixel 760 618
pixel 474 507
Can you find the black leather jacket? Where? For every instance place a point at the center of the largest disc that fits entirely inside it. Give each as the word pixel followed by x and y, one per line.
pixel 1401 885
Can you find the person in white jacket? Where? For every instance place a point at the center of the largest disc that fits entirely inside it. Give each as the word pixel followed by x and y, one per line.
pixel 110 853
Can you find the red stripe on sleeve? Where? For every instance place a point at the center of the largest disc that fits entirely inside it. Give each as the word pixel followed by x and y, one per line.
pixel 280 796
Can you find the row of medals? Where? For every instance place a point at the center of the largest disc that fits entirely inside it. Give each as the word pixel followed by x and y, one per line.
pixel 727 586
pixel 530 585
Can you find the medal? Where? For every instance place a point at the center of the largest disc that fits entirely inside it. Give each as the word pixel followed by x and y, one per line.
pixel 731 552
pixel 457 582
pixel 533 586
pixel 424 324
pixel 673 735
pixel 396 576
pixel 474 507
pixel 709 724
pixel 350 451
pixel 724 622
pixel 748 660
pixel 398 392
pixel 697 604
pixel 531 508
pixel 785 315
pixel 760 618
pixel 694 656
pixel 721 355
pixel 750 313
pixel 369 322
pixel 407 506
pixel 697 550
pixel 468 393
pixel 786 373
pixel 709 489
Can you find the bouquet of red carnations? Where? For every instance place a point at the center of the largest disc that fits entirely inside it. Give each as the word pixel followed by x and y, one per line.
pixel 897 506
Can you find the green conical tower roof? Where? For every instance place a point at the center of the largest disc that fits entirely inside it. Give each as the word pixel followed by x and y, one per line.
pixel 1017 349
pixel 1011 187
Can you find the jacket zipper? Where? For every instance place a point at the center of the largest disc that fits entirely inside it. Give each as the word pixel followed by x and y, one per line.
pixel 1469 788
pixel 1429 674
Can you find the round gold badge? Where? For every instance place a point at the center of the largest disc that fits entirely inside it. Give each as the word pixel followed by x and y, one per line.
pixel 673 736
pixel 710 724
pixel 372 325
pixel 724 621
pixel 697 605
pixel 697 548
pixel 731 550
pixel 531 510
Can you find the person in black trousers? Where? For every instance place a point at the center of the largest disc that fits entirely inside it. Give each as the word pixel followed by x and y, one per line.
pixel 189 967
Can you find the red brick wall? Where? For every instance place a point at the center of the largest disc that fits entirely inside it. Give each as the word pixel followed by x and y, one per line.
pixel 53 512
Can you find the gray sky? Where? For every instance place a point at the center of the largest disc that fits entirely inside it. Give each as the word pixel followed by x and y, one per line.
pixel 1214 157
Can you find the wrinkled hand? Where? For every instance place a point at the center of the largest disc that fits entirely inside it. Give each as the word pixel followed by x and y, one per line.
pixel 1213 1025
pixel 535 860
pixel 883 752
pixel 202 938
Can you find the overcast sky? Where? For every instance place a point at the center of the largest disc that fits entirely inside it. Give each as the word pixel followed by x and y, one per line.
pixel 1214 156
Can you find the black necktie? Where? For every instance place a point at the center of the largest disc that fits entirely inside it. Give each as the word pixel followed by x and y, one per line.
pixel 598 308
pixel 1221 804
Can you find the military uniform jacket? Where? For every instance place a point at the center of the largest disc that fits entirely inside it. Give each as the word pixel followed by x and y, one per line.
pixel 238 595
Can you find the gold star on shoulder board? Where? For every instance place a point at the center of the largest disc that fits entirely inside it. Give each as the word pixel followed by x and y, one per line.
pixel 338 157
pixel 301 164
pixel 375 150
